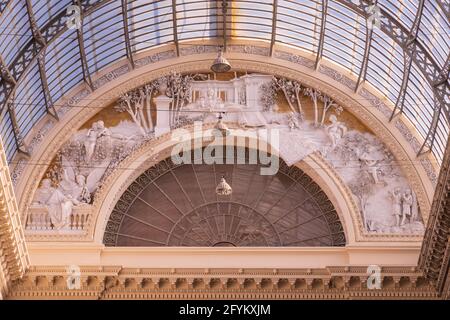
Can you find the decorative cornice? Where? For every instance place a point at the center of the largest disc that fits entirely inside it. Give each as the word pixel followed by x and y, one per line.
pixel 128 283
pixel 435 254
pixel 13 252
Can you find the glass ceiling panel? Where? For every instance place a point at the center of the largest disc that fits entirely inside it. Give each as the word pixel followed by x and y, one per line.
pixel 434 32
pixel 345 37
pixel 298 23
pixel 405 10
pixel 150 24
pixel 251 19
pixel 15 30
pixel 442 135
pixel 385 68
pixel 3 5
pixel 103 33
pixel 63 65
pixel 44 10
pixel 197 19
pixel 7 135
pixel 29 101
pixel 419 101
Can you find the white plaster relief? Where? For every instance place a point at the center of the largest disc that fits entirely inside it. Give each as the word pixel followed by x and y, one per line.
pixel 363 162
pixel 77 173
pixel 170 54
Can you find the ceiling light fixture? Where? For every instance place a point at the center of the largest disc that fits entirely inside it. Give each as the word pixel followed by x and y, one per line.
pixel 223 188
pixel 220 64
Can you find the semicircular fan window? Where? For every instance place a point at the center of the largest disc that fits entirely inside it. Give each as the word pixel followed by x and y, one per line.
pixel 177 205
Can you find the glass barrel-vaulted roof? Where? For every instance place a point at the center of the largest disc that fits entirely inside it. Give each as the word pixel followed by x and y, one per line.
pixel 113 30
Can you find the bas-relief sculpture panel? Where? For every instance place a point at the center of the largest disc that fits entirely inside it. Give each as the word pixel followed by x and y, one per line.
pixel 256 102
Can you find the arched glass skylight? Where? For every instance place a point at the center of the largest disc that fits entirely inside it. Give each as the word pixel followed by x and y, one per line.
pixel 113 30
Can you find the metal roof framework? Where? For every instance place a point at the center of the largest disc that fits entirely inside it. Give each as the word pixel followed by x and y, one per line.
pixel 406 58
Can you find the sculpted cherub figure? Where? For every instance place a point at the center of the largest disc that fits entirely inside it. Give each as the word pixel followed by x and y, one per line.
pixel 336 130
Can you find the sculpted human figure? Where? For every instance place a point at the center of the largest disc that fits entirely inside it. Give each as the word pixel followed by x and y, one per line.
pixel 81 191
pixel 75 188
pixel 211 99
pixel 105 142
pixel 43 194
pixel 370 163
pixel 336 130
pixel 396 197
pixel 98 133
pixel 91 141
pixel 407 203
pixel 58 205
pixel 102 131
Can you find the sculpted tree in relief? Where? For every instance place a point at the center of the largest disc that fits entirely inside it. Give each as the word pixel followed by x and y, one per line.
pixel 293 92
pixel 138 105
pixel 328 103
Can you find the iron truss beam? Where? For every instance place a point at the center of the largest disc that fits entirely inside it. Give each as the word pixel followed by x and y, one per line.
pixel 408 53
pixel 3 5
pixel 438 109
pixel 274 26
pixel 368 45
pixel 441 85
pixel 445 7
pixel 5 73
pixel 18 137
pixel 7 87
pixel 7 81
pixel 126 33
pixel 428 143
pixel 40 45
pixel 365 60
pixel 400 102
pixel 49 106
pixel 322 33
pixel 80 37
pixel 37 36
pixel 174 27
pixel 389 25
pixel 224 23
pixel 397 31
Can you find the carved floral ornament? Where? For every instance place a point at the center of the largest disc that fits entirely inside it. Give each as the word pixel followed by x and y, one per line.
pixel 76 120
pixel 62 204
